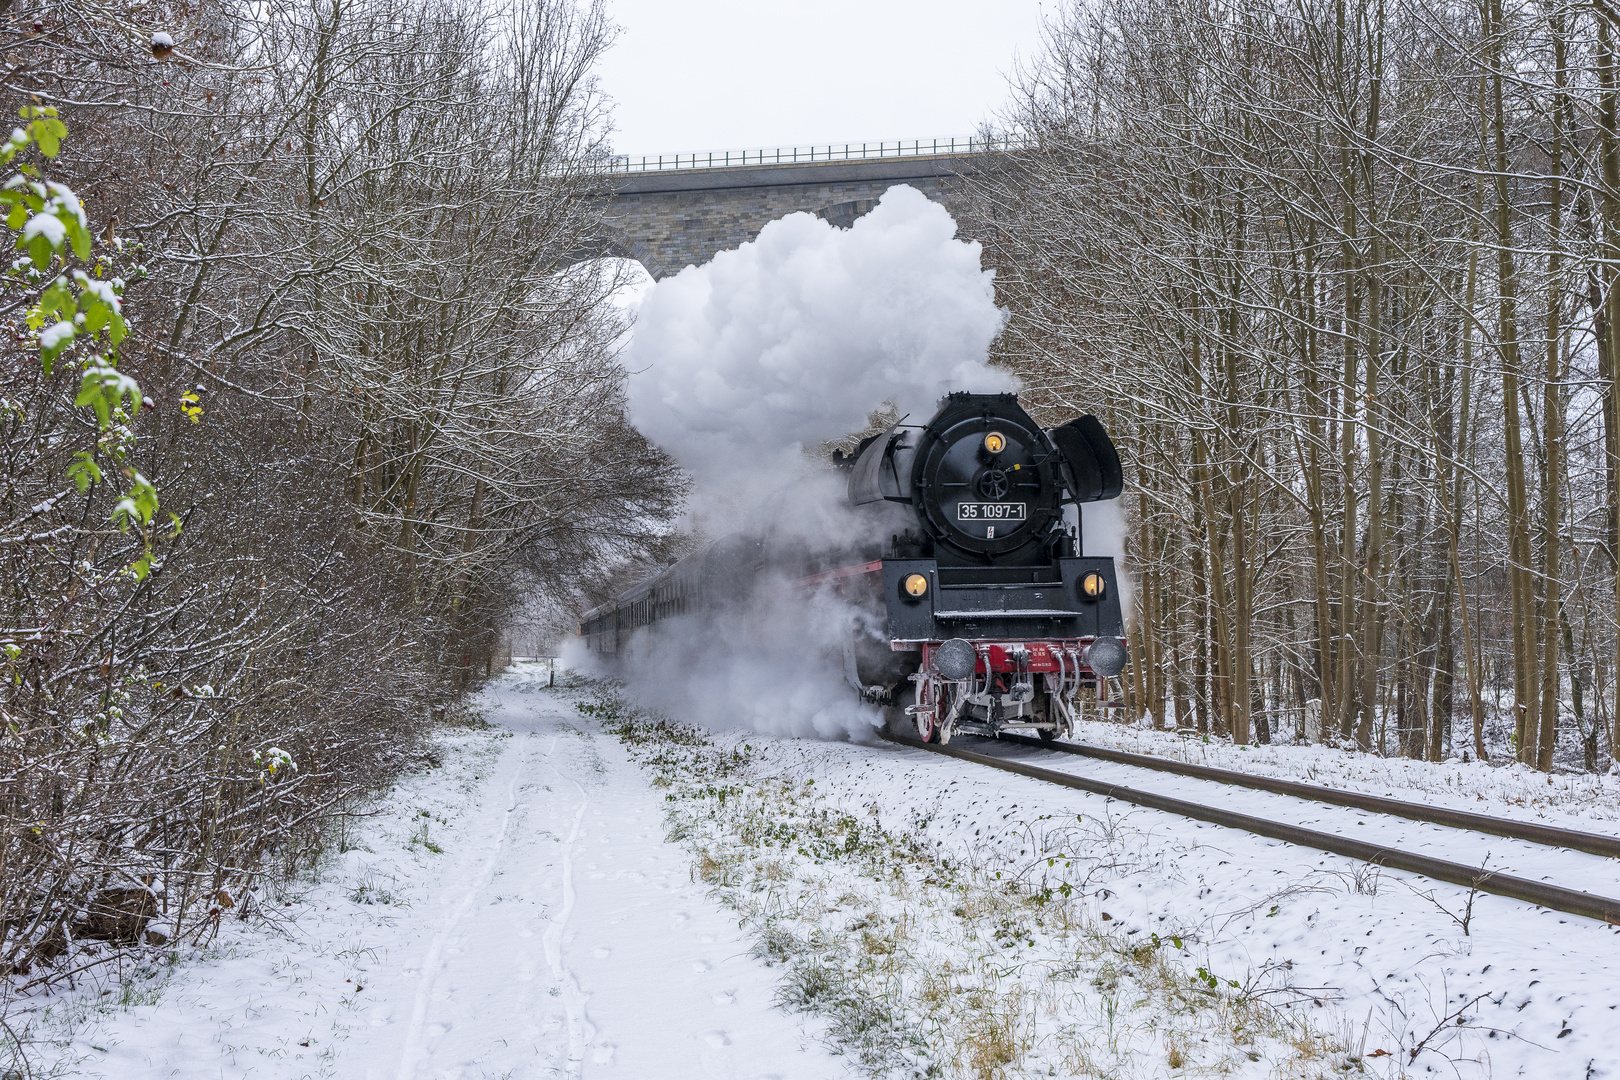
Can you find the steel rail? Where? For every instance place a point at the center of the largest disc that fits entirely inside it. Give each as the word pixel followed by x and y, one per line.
pixel 1571 901
pixel 1592 843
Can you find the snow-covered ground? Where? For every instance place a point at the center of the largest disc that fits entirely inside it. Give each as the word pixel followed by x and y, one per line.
pixel 1534 990
pixel 1518 858
pixel 581 891
pixel 1587 801
pixel 513 913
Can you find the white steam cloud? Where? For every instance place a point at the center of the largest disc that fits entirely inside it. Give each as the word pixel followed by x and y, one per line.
pixel 738 367
pixel 771 666
pixel 794 339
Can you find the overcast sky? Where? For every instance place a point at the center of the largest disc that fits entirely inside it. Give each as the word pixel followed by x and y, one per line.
pixel 689 75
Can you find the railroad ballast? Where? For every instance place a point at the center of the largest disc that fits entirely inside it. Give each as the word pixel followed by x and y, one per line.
pixel 974 606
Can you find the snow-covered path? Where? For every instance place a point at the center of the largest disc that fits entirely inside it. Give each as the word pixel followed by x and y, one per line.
pixel 515 913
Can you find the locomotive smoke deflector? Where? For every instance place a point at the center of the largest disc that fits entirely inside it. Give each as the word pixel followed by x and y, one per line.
pixel 866 478
pixel 1091 464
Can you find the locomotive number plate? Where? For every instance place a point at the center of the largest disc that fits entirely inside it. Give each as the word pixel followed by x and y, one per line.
pixel 969 511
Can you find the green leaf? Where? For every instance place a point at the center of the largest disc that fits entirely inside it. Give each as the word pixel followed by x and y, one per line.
pixel 78 235
pixel 48 133
pixel 55 340
pixel 145 497
pixel 18 216
pixel 97 401
pixel 84 471
pixel 139 504
pixel 39 249
pixel 102 388
pixel 56 301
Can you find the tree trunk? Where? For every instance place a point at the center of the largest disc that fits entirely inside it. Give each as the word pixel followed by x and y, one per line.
pixel 1526 701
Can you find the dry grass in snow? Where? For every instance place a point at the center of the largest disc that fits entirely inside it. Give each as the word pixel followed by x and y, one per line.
pixel 921 966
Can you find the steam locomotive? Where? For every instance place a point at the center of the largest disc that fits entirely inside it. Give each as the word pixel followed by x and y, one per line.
pixel 993 618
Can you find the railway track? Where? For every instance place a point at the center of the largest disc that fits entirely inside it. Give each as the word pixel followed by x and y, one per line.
pixel 1572 901
pixel 1592 843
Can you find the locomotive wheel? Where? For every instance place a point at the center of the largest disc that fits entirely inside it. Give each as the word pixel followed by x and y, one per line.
pixel 1047 734
pixel 927 727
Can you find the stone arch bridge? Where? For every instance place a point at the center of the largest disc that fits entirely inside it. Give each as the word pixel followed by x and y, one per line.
pixel 671 212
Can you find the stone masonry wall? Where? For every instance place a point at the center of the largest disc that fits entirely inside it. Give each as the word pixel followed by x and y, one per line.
pixel 669 230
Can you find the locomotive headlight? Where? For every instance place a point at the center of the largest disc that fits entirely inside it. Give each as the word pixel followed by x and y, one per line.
pixel 995 442
pixel 1093 586
pixel 916 586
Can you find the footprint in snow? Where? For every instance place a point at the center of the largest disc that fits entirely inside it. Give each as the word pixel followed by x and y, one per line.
pixel 680 916
pixel 603 1055
pixel 601 952
pixel 726 997
pixel 716 1038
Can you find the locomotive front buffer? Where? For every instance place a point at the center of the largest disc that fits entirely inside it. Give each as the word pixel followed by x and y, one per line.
pixel 1004 656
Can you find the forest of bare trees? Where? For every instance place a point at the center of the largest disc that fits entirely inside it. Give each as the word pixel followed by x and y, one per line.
pixel 381 410
pixel 1341 275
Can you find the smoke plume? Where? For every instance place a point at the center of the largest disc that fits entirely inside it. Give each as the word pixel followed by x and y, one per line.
pixel 794 339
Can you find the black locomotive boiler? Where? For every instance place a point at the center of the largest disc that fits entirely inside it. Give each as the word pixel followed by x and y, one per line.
pixel 993 616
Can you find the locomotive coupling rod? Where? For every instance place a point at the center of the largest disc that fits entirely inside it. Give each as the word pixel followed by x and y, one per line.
pixel 1588 905
pixel 1592 843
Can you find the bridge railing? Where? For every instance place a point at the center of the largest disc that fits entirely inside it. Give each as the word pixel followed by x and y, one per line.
pixel 797 155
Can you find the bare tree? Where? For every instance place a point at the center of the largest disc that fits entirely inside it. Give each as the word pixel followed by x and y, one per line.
pixel 384 408
pixel 1340 275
